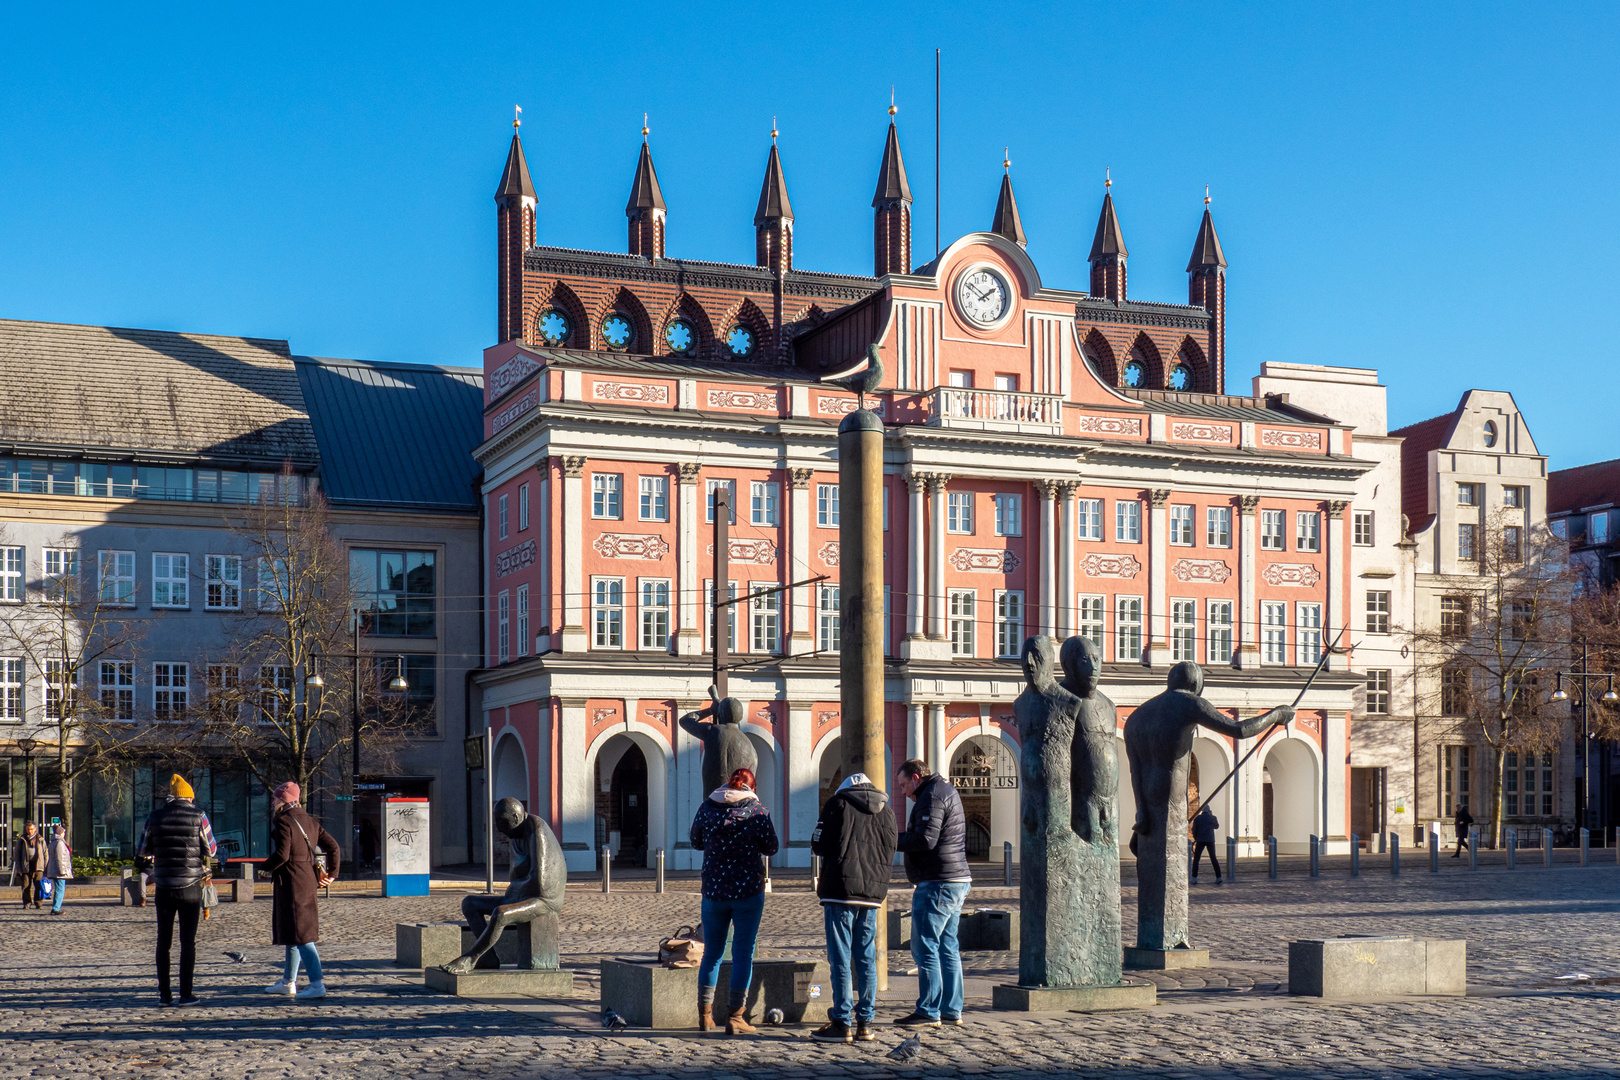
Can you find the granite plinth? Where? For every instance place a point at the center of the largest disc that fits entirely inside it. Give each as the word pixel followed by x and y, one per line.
pixel 1377 967
pixel 425 945
pixel 653 996
pixel 899 928
pixel 987 929
pixel 1125 995
pixel 1165 959
pixel 513 949
pixel 502 982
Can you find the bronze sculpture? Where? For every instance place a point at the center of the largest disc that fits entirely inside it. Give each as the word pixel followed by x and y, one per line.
pixel 534 897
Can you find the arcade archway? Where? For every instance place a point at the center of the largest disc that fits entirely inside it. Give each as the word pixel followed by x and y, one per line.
pixel 1291 797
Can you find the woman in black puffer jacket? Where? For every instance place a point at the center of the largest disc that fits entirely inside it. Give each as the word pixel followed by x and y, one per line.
pixel 735 834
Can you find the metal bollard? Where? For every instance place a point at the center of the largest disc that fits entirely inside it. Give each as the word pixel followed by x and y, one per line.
pixel 815 872
pixel 1355 855
pixel 1394 854
pixel 1383 843
pixel 659 865
pixel 767 873
pixel 1231 858
pixel 1586 846
pixel 1473 849
pixel 607 866
pixel 1434 852
pixel 1271 857
pixel 1512 847
pixel 1316 849
pixel 1006 862
pixel 1546 847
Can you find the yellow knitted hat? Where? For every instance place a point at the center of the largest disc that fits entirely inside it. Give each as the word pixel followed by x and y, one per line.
pixel 180 789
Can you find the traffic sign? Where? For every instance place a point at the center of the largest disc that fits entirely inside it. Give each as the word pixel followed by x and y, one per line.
pixel 371 787
pixel 344 798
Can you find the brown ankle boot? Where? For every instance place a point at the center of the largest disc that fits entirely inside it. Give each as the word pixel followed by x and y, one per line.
pixel 706 1018
pixel 736 1024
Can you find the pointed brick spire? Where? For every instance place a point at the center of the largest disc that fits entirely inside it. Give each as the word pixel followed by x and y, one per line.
pixel 891 210
pixel 1007 222
pixel 773 220
pixel 773 196
pixel 1206 288
pixel 515 180
pixel 1108 252
pixel 891 183
pixel 645 194
pixel 646 209
pixel 515 207
pixel 1207 248
pixel 1109 240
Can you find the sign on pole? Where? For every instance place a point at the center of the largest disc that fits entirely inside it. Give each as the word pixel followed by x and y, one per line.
pixel 407 860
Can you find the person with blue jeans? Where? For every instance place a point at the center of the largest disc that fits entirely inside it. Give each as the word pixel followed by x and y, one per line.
pixel 58 866
pixel 935 847
pixel 855 838
pixel 735 834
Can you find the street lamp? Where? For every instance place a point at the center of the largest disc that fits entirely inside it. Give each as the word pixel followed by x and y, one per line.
pixel 1560 695
pixel 28 745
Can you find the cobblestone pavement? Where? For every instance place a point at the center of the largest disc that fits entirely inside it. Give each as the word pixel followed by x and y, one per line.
pixel 79 997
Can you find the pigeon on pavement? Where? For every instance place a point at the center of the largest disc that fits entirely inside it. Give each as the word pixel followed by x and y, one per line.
pixel 774 1017
pixel 613 1021
pixel 908 1050
pixel 236 957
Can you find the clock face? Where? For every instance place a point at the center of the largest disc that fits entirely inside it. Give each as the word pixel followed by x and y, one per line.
pixel 982 295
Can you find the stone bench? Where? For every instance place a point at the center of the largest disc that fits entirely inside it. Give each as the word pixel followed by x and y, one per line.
pixel 1377 967
pixel 650 995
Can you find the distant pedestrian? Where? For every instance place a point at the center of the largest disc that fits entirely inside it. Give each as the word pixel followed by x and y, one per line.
pixel 1463 821
pixel 735 834
pixel 1204 826
pixel 180 844
pixel 295 913
pixel 935 846
pixel 28 859
pixel 855 839
pixel 58 866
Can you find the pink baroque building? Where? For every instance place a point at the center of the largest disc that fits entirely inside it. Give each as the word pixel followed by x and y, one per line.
pixel 1058 461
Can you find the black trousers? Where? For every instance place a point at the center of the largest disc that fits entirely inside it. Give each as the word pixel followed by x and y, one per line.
pixel 1198 853
pixel 187 905
pixel 30 889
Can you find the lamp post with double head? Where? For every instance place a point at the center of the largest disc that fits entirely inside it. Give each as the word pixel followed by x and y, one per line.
pixel 1583 678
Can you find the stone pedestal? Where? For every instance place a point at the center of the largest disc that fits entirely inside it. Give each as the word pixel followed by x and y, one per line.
pixel 650 995
pixel 1165 959
pixel 1126 995
pixel 899 928
pixel 517 946
pixel 1377 967
pixel 504 982
pixel 425 945
pixel 988 929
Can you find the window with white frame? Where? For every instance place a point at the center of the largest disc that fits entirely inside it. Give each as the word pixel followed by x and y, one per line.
pixel 1378 691
pixel 1218 533
pixel 767 620
pixel 1377 611
pixel 763 497
pixel 522 620
pixel 117 690
pixel 1309 534
pixel 503 626
pixel 1361 528
pixel 1128 521
pixel 11 575
pixel 731 495
pixel 1181 526
pixel 1274 633
pixel 1467 541
pixel 1184 630
pixel 654 611
pixel 1088 515
pixel 1009 515
pixel 959 512
pixel 56 688
pixel 607 491
pixel 654 498
pixel 1515 496
pixel 274 583
pixel 607 612
pixel 523 507
pixel 1128 629
pixel 62 576
pixel 1308 632
pixel 708 614
pixel 11 688
pixel 117 575
pixel 827 506
pixel 1220 631
pixel 501 514
pixel 1272 537
pixel 223 589
pixel 962 613
pixel 1009 622
pixel 276 700
pixel 829 619
pixel 223 686
pixel 171 690
pixel 1092 619
pixel 1468 495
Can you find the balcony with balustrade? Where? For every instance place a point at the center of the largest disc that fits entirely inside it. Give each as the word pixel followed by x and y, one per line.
pixel 995 410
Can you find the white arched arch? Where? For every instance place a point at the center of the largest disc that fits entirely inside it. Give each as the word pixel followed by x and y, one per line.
pixel 512 769
pixel 1126 798
pixel 1214 759
pixel 1005 803
pixel 650 741
pixel 767 775
pixel 1294 766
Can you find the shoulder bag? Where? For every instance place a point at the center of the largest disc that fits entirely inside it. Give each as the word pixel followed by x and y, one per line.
pixel 682 950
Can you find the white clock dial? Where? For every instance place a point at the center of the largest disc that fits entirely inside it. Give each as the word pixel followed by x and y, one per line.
pixel 982 295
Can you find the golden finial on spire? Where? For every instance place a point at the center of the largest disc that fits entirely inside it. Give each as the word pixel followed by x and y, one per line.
pixel 1108 179
pixel 1206 194
pixel 892 109
pixel 1006 159
pixel 644 128
pixel 517 117
pixel 773 129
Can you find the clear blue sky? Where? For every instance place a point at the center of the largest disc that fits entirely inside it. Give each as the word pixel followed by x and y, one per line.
pixel 1429 190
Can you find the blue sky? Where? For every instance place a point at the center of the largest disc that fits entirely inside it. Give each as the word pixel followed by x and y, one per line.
pixel 1431 190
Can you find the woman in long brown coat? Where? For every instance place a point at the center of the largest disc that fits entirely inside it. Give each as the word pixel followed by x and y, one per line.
pixel 295 915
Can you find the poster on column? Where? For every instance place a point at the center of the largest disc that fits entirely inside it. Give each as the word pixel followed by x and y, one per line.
pixel 406 858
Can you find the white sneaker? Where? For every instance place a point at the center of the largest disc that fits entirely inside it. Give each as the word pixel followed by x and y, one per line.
pixel 281 987
pixel 312 991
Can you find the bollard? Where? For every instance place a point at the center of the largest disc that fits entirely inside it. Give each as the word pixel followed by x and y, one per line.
pixel 815 872
pixel 1271 857
pixel 1586 846
pixel 1394 854
pixel 659 865
pixel 607 866
pixel 1546 847
pixel 1316 848
pixel 1473 849
pixel 1512 847
pixel 767 873
pixel 1355 855
pixel 1383 843
pixel 1434 852
pixel 1006 862
pixel 1231 858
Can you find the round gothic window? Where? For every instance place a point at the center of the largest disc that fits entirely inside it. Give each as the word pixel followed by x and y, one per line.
pixel 1181 377
pixel 741 342
pixel 553 327
pixel 616 331
pixel 681 336
pixel 1135 374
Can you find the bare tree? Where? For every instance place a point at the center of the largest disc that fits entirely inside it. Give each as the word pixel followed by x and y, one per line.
pixel 1487 666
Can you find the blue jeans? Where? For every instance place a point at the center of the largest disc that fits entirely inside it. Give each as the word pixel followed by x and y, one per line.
pixel 936 909
pixel 852 935
pixel 58 893
pixel 742 917
pixel 312 963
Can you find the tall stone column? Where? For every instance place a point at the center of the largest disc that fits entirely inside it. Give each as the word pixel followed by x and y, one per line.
pixel 1248 606
pixel 1335 728
pixel 578 833
pixel 1047 614
pixel 1066 622
pixel 917 578
pixel 689 586
pixel 803 783
pixel 936 555
pixel 802 600
pixel 574 635
pixel 1158 580
pixel 936 738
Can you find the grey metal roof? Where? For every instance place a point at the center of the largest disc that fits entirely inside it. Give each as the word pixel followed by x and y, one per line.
pixel 1272 409
pixel 396 435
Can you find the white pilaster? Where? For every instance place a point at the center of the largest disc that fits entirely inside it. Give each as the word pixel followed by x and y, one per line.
pixel 917 600
pixel 574 637
pixel 936 738
pixel 803 783
pixel 801 601
pixel 1158 587
pixel 1248 613
pixel 936 555
pixel 1046 614
pixel 578 800
pixel 689 589
pixel 1065 559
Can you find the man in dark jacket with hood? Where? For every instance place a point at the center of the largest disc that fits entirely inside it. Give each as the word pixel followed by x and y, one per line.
pixel 935 845
pixel 180 845
pixel 855 839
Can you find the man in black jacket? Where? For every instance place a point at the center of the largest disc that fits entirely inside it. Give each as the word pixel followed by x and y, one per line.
pixel 179 843
pixel 1464 821
pixel 935 845
pixel 855 839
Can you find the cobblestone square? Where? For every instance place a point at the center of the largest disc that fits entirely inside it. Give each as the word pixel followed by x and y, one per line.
pixel 80 994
